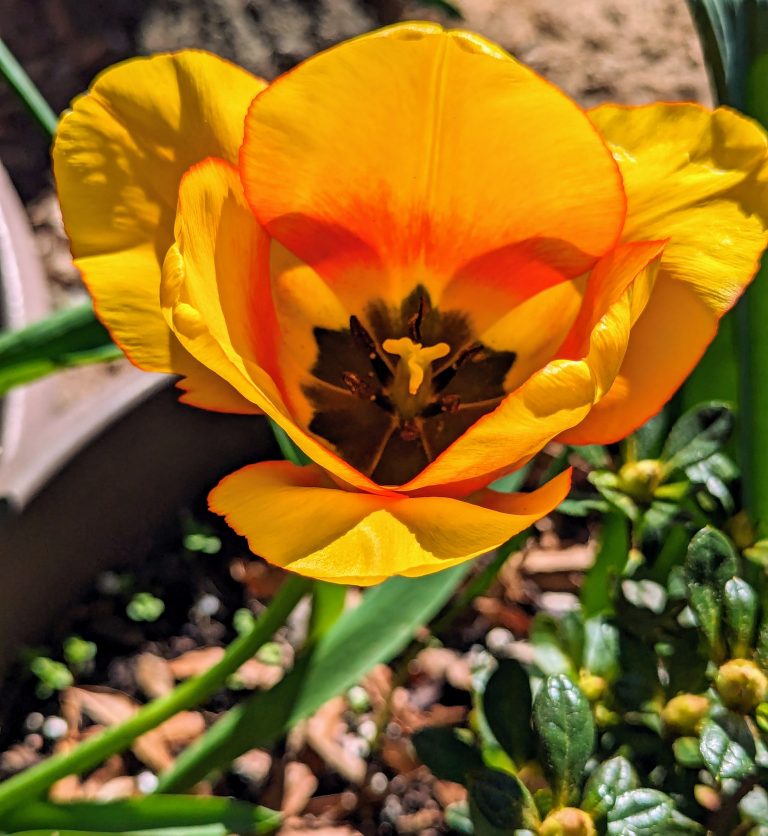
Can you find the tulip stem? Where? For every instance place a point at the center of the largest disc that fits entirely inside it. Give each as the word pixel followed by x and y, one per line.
pixel 289 450
pixel 26 90
pixel 35 782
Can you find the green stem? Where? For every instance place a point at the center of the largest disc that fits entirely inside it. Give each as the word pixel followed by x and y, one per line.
pixel 328 601
pixel 34 782
pixel 25 89
pixel 289 450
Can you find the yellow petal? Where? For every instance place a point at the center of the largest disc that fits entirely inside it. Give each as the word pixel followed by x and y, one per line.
pixel 214 296
pixel 293 517
pixel 697 178
pixel 560 395
pixel 415 155
pixel 119 156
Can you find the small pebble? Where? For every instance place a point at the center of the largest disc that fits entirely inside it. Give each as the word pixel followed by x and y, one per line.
pixel 367 730
pixel 379 783
pixel 109 583
pixel 146 782
pixel 55 727
pixel 34 721
pixel 208 605
pixel 498 639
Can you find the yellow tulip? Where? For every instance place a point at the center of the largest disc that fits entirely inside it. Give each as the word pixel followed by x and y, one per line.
pixel 419 258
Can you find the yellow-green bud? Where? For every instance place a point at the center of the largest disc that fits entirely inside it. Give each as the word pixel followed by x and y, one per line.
pixel 568 821
pixel 640 479
pixel 741 685
pixel 683 714
pixel 604 717
pixel 593 687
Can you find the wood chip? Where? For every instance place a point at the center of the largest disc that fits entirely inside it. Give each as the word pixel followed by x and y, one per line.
pixel 325 733
pixel 153 675
pixel 299 783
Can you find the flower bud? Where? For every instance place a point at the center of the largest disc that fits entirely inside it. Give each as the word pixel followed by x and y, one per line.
pixel 640 479
pixel 568 821
pixel 593 687
pixel 683 713
pixel 741 685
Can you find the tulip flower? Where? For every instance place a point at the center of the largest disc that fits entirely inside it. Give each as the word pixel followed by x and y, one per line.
pixel 416 256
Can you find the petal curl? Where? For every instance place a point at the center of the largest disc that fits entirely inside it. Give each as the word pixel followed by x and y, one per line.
pixel 118 157
pixel 699 178
pixel 214 300
pixel 463 165
pixel 293 517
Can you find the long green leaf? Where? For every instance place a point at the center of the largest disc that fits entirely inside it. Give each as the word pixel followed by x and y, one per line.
pixel 70 337
pixel 376 631
pixel 24 88
pixel 143 814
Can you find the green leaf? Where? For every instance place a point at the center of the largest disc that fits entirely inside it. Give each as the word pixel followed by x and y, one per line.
pixel 499 803
pixel 23 86
pixel 507 708
pixel 70 337
pixel 762 645
pixel 754 806
pixel 609 780
pixel 375 631
pixel 641 812
pixel 609 486
pixel 647 441
pixel 697 435
pixel 711 562
pixel 740 606
pixel 686 752
pixel 447 756
pixel 600 581
pixel 143 814
pixel 723 754
pixel 563 719
pixel 601 648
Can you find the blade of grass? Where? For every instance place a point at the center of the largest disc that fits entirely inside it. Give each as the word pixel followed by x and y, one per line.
pixel 145 813
pixel 34 782
pixel 25 89
pixel 70 337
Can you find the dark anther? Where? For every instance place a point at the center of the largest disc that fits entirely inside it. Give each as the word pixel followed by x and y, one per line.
pixel 415 320
pixel 443 378
pixel 356 384
pixel 409 431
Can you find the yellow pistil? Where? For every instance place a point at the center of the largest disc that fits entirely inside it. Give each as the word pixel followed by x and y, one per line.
pixel 414 368
pixel 417 358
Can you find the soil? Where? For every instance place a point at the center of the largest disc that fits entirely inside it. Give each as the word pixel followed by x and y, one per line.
pixel 328 775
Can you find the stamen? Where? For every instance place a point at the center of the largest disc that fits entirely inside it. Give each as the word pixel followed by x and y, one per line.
pixel 417 358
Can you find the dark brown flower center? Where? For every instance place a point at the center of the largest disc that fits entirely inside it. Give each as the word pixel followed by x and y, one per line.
pixel 392 394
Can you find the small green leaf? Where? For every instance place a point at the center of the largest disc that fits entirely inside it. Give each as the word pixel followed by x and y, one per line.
pixel 754 806
pixel 600 581
pixel 447 756
pixel 686 752
pixel 710 563
pixel 609 486
pixel 499 803
pixel 640 812
pixel 698 434
pixel 740 605
pixel 609 780
pixel 507 707
pixel 723 754
pixel 762 645
pixel 601 648
pixel 563 719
